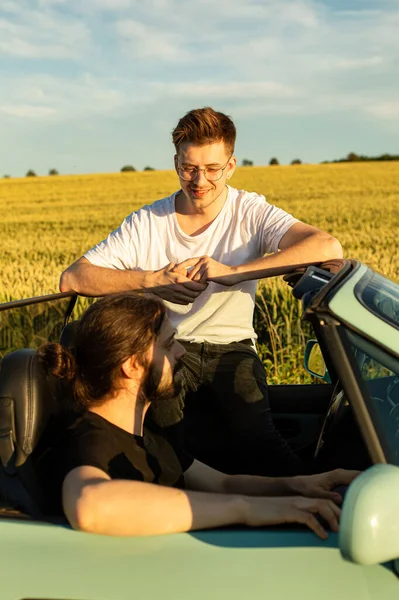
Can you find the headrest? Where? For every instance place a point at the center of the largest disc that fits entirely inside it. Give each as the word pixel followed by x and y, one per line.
pixel 27 399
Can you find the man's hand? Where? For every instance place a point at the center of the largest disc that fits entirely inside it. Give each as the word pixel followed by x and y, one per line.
pixel 320 486
pixel 170 283
pixel 259 512
pixel 204 269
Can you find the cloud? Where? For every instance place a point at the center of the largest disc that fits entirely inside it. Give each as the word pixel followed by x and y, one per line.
pixel 79 66
pixel 11 7
pixel 301 13
pixel 330 63
pixel 385 110
pixel 111 5
pixel 264 56
pixel 235 90
pixel 144 41
pixel 361 12
pixel 34 34
pixel 27 111
pixel 208 15
pixel 357 63
pixel 176 31
pixel 47 97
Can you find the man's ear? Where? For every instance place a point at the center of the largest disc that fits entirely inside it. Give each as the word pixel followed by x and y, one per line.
pixel 232 166
pixel 176 163
pixel 131 368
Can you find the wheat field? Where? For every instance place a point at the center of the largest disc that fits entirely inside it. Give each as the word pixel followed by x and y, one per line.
pixel 48 222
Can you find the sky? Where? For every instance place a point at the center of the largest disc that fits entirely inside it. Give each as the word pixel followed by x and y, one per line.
pixel 91 85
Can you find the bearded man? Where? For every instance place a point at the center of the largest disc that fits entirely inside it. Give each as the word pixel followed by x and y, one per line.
pixel 108 472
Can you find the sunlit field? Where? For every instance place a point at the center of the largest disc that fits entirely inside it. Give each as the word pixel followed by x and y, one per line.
pixel 48 222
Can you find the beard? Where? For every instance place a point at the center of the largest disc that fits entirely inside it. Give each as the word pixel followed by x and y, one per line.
pixel 157 391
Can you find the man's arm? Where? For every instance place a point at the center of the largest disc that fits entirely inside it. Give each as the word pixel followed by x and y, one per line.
pixel 302 244
pixel 314 243
pixel 90 280
pixel 94 503
pixel 202 477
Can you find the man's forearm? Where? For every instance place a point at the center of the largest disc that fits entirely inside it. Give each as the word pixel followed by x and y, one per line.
pixel 89 280
pixel 121 507
pixel 253 485
pixel 307 251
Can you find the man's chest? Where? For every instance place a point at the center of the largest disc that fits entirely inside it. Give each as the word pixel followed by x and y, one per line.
pixel 227 243
pixel 192 225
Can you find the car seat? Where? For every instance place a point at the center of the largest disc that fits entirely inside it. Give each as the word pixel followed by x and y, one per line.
pixel 27 401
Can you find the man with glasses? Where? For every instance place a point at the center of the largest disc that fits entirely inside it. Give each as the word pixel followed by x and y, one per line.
pixel 202 250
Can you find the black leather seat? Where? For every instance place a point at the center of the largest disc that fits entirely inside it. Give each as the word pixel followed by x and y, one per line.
pixel 27 400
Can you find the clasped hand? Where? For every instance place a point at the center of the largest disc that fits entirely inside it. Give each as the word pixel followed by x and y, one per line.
pixel 204 269
pixel 182 283
pixel 171 283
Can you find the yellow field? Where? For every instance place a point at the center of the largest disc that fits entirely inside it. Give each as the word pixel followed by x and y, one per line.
pixel 47 222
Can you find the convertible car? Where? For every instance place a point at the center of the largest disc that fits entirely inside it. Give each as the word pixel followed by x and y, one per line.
pixel 349 418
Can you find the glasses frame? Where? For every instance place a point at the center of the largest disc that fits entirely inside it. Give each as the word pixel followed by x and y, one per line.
pixel 197 170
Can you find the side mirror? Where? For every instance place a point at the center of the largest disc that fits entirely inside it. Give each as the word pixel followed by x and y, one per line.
pixel 369 529
pixel 314 361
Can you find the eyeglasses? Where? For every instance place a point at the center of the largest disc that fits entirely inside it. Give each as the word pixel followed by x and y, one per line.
pixel 211 173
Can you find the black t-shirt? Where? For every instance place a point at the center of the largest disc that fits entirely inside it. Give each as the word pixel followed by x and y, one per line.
pixel 72 441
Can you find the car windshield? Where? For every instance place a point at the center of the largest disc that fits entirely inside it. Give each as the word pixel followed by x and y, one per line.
pixel 380 374
pixel 380 296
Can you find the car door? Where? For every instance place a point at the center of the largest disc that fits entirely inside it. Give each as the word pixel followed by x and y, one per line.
pixel 299 411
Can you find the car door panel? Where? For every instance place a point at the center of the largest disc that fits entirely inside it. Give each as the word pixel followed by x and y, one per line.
pixel 299 410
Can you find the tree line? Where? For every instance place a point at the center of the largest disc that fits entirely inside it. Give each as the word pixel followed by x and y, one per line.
pixel 351 157
pixel 125 169
pixel 272 162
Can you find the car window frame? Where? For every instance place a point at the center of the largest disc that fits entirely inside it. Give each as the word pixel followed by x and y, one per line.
pixel 337 343
pixel 51 300
pixel 41 299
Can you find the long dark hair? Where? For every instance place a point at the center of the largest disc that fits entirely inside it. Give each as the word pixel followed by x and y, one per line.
pixel 110 331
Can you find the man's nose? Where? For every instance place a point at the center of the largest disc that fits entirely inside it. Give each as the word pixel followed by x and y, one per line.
pixel 200 178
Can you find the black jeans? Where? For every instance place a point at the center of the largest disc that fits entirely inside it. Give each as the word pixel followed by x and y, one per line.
pixel 227 417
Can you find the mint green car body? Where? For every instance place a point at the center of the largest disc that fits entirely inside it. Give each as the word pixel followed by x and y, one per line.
pixel 47 561
pixel 51 562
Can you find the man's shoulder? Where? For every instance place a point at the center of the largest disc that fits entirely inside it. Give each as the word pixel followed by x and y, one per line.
pixel 71 440
pixel 90 423
pixel 245 197
pixel 246 203
pixel 88 429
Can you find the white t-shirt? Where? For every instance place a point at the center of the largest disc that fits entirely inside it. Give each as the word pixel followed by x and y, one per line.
pixel 246 228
